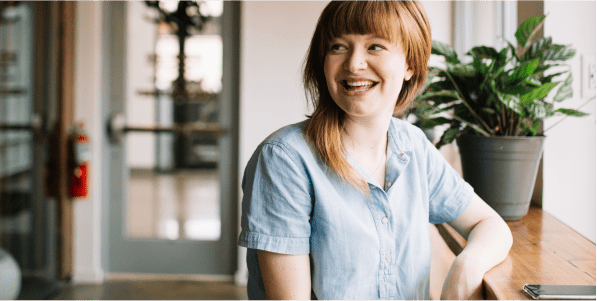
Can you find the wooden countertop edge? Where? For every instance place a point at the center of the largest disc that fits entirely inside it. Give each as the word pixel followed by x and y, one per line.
pixel 514 269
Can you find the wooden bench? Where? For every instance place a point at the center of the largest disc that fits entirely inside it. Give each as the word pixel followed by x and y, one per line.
pixel 545 251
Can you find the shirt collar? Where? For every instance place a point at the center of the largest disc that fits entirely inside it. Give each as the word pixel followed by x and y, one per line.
pixel 399 145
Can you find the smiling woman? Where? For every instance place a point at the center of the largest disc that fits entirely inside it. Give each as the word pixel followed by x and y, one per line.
pixel 402 27
pixel 322 215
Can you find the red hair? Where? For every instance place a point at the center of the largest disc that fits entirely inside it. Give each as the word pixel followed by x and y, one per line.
pixel 402 22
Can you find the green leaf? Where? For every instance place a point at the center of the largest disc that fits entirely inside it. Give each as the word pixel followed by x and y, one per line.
pixel 483 52
pixel 533 82
pixel 444 50
pixel 442 93
pixel 524 70
pixel 439 86
pixel 527 30
pixel 431 123
pixel 521 88
pixel 559 53
pixel 547 79
pixel 461 70
pixel 571 112
pixel 512 51
pixel 537 50
pixel 538 93
pixel 539 109
pixel 423 109
pixel 443 108
pixel 504 56
pixel 512 102
pixel 546 67
pixel 565 90
pixel 480 66
pixel 450 134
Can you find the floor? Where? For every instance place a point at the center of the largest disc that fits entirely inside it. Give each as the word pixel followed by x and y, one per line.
pixel 178 205
pixel 154 290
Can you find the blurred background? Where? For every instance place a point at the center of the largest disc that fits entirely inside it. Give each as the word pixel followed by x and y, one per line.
pixel 125 128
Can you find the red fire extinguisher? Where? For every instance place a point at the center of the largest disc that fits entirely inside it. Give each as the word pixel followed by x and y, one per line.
pixel 81 155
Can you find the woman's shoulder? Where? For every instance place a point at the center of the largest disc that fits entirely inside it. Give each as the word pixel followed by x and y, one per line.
pixel 290 139
pixel 290 134
pixel 406 133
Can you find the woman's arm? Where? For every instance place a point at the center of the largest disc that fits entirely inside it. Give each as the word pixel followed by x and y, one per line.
pixel 488 242
pixel 285 276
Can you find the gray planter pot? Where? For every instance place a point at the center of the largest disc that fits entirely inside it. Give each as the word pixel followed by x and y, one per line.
pixel 502 170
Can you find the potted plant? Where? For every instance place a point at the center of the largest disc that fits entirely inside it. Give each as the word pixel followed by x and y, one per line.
pixel 493 106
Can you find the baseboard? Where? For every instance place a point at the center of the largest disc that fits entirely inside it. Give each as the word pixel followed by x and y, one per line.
pixel 241 277
pixel 185 277
pixel 88 276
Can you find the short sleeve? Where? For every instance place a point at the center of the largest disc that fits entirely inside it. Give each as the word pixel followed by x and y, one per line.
pixel 449 194
pixel 276 205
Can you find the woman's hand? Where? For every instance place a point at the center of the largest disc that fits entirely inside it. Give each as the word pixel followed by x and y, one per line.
pixel 463 281
pixel 285 277
pixel 488 242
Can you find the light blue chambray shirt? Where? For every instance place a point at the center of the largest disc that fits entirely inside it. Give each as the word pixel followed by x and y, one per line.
pixel 359 247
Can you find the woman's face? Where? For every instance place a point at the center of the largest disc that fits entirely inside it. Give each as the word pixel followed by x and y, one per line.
pixel 364 74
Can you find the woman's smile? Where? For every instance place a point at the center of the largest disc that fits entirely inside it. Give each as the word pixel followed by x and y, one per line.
pixel 365 74
pixel 356 87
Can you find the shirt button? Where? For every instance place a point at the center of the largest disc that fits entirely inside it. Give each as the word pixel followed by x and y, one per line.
pixel 388 256
pixel 384 220
pixel 401 154
pixel 389 184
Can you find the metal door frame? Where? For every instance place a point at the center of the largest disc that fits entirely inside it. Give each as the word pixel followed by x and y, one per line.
pixel 122 255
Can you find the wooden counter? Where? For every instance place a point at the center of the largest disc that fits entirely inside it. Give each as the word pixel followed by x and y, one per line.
pixel 545 251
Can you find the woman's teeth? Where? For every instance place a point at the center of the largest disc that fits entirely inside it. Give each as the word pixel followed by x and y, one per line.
pixel 358 85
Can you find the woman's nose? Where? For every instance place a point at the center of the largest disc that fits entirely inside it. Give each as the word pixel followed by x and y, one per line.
pixel 355 61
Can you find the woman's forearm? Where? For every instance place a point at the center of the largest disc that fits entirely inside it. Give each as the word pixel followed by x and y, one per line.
pixel 488 243
pixel 489 240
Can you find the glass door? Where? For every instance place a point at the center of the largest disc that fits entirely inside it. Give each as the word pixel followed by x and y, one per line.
pixel 173 138
pixel 28 219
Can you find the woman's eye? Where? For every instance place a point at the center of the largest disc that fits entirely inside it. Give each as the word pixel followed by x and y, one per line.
pixel 337 47
pixel 376 47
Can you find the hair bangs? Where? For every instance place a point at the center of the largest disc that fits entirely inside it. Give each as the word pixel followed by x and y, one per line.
pixel 363 17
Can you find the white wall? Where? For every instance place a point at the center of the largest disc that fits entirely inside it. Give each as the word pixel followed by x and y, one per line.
pixel 569 152
pixel 275 37
pixel 274 40
pixel 440 14
pixel 86 224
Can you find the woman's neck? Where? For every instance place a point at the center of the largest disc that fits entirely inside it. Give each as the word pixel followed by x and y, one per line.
pixel 366 136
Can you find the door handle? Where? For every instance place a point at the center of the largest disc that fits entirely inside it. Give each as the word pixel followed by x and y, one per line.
pixel 117 127
pixel 35 125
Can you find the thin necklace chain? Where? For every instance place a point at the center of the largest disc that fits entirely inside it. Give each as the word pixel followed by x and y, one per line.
pixel 378 164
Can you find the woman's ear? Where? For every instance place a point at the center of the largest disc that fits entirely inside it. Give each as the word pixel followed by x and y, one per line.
pixel 408 74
